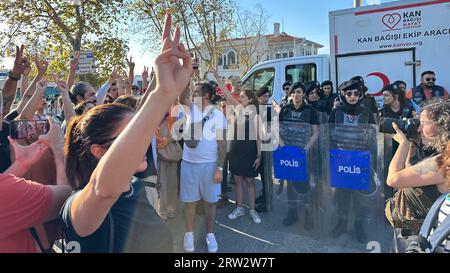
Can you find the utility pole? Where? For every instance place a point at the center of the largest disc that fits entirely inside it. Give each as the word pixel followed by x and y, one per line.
pixel 357 3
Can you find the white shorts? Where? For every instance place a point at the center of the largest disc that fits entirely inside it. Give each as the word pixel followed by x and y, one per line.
pixel 197 182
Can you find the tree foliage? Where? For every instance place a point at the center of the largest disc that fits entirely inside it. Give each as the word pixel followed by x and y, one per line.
pixel 203 23
pixel 54 28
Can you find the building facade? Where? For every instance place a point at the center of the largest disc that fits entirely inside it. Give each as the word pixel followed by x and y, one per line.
pixel 239 55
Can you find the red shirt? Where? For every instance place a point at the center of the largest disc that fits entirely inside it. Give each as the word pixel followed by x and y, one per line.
pixel 23 204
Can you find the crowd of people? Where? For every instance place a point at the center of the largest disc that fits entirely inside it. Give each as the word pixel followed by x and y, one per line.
pixel 111 167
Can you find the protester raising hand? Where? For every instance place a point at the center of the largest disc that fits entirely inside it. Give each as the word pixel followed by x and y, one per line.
pixel 171 76
pixel 41 66
pixel 121 154
pixel 63 89
pixel 25 156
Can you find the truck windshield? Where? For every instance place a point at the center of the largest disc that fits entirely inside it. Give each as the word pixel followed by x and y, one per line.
pixel 301 72
pixel 259 79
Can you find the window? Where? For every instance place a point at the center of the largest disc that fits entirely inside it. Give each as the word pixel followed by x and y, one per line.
pixel 219 60
pixel 301 72
pixel 285 54
pixel 260 78
pixel 278 55
pixel 231 58
pixel 267 57
pixel 291 53
pixel 307 53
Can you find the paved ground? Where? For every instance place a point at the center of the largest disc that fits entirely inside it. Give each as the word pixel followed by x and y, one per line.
pixel 270 236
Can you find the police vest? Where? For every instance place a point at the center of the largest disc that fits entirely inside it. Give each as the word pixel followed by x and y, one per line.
pixel 364 116
pixel 288 114
pixel 418 94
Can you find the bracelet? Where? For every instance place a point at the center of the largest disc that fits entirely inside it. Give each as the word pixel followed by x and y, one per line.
pixel 12 77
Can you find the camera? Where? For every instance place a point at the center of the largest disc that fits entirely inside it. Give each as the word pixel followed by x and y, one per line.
pixel 408 126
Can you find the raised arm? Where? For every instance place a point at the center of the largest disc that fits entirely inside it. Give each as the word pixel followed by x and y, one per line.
pixel 63 89
pixel 225 91
pixel 149 89
pixel 10 87
pixel 25 82
pixel 41 71
pixel 30 109
pixel 144 79
pixel 102 91
pixel 73 68
pixel 120 85
pixel 130 78
pixel 113 173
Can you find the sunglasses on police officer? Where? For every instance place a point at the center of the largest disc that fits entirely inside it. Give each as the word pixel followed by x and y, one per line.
pixel 430 79
pixel 350 93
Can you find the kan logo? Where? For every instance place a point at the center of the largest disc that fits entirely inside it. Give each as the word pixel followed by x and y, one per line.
pixel 391 20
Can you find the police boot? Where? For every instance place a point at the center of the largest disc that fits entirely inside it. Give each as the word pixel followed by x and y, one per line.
pixel 361 235
pixel 291 218
pixel 340 228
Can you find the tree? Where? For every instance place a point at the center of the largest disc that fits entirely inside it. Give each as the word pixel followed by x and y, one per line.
pixel 247 38
pixel 55 28
pixel 203 23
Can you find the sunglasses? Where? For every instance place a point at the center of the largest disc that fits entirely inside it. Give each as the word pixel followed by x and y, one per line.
pixel 430 79
pixel 350 93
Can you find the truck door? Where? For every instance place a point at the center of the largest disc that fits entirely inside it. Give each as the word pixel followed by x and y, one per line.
pixel 378 68
pixel 262 78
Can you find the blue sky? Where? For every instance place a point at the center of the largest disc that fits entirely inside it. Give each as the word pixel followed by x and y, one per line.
pixel 304 18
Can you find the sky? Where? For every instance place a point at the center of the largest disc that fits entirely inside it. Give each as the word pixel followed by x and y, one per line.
pixel 301 18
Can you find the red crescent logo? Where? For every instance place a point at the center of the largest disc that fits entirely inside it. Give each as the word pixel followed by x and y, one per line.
pixel 383 78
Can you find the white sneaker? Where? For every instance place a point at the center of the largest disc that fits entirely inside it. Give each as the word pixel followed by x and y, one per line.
pixel 188 242
pixel 254 215
pixel 237 212
pixel 211 243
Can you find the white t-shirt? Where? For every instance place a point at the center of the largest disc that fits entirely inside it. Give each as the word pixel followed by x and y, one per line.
pixel 206 151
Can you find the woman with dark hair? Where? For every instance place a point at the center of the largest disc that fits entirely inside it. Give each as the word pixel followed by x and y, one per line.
pixel 394 103
pixel 105 148
pixel 298 111
pixel 312 94
pixel 245 153
pixel 128 100
pixel 328 97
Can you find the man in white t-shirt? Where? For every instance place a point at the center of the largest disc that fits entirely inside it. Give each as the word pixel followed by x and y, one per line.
pixel 202 166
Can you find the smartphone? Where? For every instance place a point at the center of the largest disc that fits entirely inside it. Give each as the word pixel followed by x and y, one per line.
pixel 28 129
pixel 275 103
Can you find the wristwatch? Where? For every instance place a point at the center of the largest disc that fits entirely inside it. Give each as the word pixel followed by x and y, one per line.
pixel 220 169
pixel 11 76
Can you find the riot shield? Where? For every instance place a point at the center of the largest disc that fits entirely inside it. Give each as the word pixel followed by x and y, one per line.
pixel 351 196
pixel 294 178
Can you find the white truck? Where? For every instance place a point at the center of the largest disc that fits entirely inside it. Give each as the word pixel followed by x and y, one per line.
pixel 382 43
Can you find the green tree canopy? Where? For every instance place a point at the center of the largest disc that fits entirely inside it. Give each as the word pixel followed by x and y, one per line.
pixel 54 28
